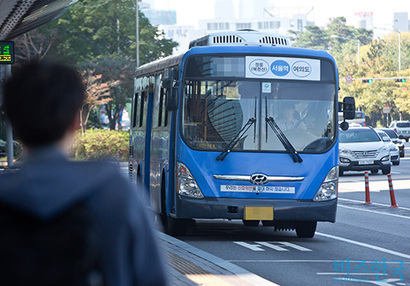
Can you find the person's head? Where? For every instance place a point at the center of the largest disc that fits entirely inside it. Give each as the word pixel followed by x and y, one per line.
pixel 42 100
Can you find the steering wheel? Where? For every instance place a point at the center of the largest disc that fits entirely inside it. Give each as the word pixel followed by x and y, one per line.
pixel 318 145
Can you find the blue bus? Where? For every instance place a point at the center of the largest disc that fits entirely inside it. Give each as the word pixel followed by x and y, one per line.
pixel 209 139
pixel 359 118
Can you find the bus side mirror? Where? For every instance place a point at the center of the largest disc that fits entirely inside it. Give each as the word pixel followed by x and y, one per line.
pixel 344 125
pixel 349 108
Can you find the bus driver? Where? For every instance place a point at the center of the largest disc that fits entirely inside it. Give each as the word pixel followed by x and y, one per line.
pixel 290 119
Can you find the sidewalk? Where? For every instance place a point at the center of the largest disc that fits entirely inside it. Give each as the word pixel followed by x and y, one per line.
pixel 192 266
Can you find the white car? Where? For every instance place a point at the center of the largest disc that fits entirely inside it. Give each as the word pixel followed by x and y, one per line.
pixel 362 149
pixel 393 149
pixel 401 128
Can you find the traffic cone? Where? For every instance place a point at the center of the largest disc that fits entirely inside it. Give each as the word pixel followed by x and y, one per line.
pixel 392 197
pixel 366 187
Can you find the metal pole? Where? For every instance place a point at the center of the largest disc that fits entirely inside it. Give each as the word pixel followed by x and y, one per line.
pixel 9 130
pixel 137 34
pixel 399 51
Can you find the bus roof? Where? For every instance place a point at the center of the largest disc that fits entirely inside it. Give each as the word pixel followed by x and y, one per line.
pixel 173 60
pixel 160 64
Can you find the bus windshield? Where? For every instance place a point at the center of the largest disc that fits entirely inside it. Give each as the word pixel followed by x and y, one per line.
pixel 215 112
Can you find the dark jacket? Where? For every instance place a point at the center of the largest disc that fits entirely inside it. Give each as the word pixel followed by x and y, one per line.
pixel 48 183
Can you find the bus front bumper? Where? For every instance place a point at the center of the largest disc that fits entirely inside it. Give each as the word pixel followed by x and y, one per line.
pixel 229 208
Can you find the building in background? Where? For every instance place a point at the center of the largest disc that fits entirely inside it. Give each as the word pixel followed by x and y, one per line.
pixel 250 14
pixel 401 22
pixel 364 20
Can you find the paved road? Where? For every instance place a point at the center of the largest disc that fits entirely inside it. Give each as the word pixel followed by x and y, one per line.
pixel 369 243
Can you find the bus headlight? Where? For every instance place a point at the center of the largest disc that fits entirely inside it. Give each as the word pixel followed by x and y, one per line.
pixel 186 184
pixel 328 189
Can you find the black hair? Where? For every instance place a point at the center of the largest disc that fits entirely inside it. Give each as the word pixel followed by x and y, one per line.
pixel 41 100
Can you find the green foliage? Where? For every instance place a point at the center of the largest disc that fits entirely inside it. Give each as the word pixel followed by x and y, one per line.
pixel 99 30
pixel 313 38
pixel 378 60
pixel 101 144
pixel 100 35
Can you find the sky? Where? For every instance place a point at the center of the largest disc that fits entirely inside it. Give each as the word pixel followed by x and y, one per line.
pixel 189 12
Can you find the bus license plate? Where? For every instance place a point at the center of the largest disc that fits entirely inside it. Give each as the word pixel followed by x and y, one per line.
pixel 258 213
pixel 366 162
pixel 258 189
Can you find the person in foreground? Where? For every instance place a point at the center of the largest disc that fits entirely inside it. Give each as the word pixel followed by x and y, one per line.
pixel 42 101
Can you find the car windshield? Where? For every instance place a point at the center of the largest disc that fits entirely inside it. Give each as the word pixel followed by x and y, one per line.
pixel 391 133
pixel 216 112
pixel 384 136
pixel 358 135
pixel 403 124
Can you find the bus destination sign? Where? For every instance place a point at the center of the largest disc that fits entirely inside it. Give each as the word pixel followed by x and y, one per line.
pixel 282 68
pixel 6 52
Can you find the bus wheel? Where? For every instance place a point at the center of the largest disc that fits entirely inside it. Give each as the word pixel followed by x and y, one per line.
pixel 251 222
pixel 268 223
pixel 306 229
pixel 178 226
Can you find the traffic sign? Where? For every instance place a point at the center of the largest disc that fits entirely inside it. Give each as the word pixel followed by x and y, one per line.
pixel 349 78
pixel 386 109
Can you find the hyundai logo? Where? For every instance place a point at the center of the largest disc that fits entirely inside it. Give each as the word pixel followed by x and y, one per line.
pixel 259 179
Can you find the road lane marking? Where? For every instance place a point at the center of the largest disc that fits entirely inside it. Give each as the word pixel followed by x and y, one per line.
pixel 381 249
pixel 376 212
pixel 272 246
pixel 254 247
pixel 275 245
pixel 376 204
pixel 292 245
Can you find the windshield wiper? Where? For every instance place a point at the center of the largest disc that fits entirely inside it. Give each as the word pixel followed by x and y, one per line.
pixel 285 142
pixel 236 139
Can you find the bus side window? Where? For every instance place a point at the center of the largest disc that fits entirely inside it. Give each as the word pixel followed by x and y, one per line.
pixel 135 109
pixel 165 110
pixel 142 109
pixel 161 106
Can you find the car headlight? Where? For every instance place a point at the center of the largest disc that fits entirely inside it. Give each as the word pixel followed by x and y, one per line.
pixel 394 148
pixel 328 189
pixel 345 151
pixel 385 158
pixel 344 160
pixel 186 184
pixel 384 148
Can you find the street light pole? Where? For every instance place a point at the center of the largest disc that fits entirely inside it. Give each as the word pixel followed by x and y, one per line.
pixel 399 50
pixel 137 34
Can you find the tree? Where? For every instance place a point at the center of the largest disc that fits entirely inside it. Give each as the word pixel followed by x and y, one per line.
pixel 100 35
pixel 34 45
pixel 97 93
pixel 313 38
pixel 92 31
